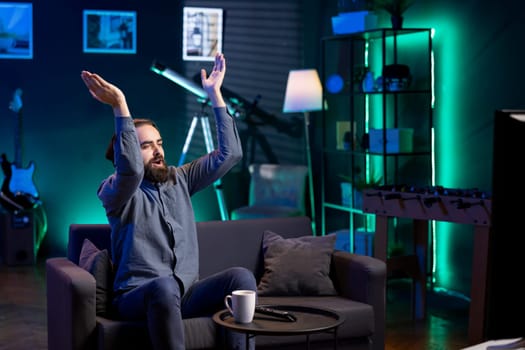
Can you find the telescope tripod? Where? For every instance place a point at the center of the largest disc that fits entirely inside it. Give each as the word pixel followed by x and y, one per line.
pixel 208 140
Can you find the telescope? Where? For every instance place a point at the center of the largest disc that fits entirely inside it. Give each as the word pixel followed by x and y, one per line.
pixel 237 106
pixel 191 86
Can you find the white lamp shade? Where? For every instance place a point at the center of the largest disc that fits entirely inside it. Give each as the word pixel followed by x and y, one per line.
pixel 304 92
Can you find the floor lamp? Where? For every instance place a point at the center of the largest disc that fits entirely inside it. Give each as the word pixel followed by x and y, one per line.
pixel 304 93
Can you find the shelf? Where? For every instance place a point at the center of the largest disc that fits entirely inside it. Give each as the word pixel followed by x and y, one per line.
pixel 377 34
pixel 351 113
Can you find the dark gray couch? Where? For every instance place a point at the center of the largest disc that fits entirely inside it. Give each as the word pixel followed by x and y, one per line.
pixel 360 281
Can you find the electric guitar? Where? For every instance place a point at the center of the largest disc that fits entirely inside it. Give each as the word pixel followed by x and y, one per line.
pixel 18 191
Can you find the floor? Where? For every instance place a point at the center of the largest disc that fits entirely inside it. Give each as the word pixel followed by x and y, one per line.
pixel 23 314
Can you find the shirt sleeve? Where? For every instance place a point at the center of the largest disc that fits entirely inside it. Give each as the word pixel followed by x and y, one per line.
pixel 129 167
pixel 207 169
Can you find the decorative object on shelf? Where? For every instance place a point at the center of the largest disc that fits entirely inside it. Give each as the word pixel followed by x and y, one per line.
pixel 396 77
pixel 360 72
pixel 335 83
pixel 304 93
pixel 396 140
pixel 368 83
pixel 395 8
pixel 343 134
pixel 354 188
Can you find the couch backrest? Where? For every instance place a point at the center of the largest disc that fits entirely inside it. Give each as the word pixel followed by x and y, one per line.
pixel 231 243
pixel 222 244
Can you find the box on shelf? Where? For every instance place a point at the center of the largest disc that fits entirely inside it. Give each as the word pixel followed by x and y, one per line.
pixel 363 241
pixel 353 22
pixel 346 193
pixel 399 140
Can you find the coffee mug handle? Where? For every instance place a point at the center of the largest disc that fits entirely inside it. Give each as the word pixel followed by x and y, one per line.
pixel 226 299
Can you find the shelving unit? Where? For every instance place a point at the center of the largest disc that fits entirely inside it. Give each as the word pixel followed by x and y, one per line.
pixel 357 117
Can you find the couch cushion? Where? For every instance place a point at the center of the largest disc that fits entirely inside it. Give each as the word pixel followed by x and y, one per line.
pixel 199 333
pixel 296 266
pixel 98 263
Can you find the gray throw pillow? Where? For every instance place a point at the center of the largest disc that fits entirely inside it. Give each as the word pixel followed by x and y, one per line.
pixel 98 263
pixel 296 266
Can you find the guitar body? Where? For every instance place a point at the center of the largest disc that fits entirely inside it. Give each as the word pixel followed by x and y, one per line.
pixel 18 191
pixel 21 181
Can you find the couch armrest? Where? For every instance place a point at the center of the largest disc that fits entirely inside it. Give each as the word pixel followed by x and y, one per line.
pixel 363 278
pixel 71 319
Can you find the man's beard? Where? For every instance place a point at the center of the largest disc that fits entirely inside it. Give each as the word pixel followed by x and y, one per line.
pixel 155 173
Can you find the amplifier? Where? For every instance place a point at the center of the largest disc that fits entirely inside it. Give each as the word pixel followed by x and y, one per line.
pixel 17 234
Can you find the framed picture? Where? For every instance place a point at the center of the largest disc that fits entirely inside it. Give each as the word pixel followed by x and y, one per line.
pixel 110 31
pixel 16 30
pixel 202 33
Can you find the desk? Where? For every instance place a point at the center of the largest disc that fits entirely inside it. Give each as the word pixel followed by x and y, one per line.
pixel 423 207
pixel 309 320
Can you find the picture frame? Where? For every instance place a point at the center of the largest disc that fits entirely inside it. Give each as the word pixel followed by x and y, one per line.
pixel 201 33
pixel 110 32
pixel 16 30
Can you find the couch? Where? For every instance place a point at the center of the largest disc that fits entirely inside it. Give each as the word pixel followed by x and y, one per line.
pixel 360 282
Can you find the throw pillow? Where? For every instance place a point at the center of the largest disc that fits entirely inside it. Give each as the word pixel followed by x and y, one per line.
pixel 98 263
pixel 297 266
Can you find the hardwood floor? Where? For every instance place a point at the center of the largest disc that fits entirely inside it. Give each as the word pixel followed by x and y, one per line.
pixel 445 328
pixel 23 314
pixel 23 324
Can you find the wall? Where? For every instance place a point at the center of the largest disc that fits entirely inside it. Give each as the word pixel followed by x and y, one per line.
pixel 478 70
pixel 66 131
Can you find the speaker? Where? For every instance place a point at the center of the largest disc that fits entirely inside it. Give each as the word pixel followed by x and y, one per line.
pixel 505 298
pixel 17 232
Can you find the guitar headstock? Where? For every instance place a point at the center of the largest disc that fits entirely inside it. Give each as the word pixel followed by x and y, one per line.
pixel 16 103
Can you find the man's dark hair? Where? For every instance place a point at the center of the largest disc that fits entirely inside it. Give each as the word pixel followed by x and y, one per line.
pixel 110 151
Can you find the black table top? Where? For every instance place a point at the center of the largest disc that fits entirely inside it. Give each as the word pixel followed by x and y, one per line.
pixel 309 320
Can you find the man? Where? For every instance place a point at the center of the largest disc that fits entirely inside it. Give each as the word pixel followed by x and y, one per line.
pixel 154 242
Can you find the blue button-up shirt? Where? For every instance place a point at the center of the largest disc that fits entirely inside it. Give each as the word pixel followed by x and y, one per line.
pixel 153 225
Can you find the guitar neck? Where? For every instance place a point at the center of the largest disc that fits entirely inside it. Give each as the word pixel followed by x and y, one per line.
pixel 18 139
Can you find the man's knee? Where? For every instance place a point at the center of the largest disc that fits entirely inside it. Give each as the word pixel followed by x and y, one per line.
pixel 242 278
pixel 164 290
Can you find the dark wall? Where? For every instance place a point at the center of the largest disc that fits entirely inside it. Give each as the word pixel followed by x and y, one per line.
pixel 66 131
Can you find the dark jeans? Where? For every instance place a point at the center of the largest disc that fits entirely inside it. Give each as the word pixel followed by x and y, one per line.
pixel 160 303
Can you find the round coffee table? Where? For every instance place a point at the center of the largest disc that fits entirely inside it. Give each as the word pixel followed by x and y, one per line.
pixel 309 320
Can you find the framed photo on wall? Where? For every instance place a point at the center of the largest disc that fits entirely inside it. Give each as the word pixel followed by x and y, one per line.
pixel 201 33
pixel 110 31
pixel 16 30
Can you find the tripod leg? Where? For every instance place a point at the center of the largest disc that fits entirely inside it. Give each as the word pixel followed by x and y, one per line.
pixel 206 130
pixel 189 136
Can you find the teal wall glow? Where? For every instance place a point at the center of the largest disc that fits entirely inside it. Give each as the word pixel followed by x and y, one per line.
pixel 446 49
pixel 478 69
pixel 475 73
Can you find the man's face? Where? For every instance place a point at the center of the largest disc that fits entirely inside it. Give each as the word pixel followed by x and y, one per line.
pixel 152 152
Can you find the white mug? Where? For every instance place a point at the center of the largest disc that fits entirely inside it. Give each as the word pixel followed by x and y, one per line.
pixel 242 305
